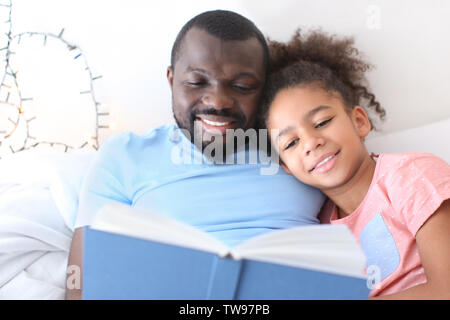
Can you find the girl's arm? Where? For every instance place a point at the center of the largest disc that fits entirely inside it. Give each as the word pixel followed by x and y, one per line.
pixel 433 241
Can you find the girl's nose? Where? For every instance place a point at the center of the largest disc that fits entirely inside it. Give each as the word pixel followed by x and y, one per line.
pixel 311 142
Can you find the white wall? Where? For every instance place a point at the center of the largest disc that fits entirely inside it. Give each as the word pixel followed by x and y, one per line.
pixel 431 138
pixel 129 43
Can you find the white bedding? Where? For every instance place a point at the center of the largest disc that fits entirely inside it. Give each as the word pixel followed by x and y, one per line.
pixel 38 204
pixel 39 200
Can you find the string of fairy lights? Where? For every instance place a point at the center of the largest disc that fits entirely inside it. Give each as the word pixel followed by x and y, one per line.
pixel 10 82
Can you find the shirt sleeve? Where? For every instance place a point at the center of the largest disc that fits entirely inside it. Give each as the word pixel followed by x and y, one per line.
pixel 417 186
pixel 105 180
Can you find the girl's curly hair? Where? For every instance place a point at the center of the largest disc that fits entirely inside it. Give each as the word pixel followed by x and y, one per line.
pixel 319 59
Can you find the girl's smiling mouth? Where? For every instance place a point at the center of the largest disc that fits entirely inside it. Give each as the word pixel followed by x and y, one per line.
pixel 325 163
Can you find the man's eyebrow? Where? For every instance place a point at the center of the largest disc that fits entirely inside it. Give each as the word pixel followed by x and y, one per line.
pixel 310 114
pixel 237 75
pixel 199 70
pixel 246 74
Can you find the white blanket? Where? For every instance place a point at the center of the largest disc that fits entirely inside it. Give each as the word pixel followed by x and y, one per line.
pixel 38 205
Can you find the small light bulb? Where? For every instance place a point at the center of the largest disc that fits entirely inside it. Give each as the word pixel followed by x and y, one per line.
pixel 88 139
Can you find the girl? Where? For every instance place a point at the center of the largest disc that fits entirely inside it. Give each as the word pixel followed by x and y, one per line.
pixel 396 205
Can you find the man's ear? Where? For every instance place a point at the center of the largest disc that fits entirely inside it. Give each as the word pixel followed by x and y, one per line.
pixel 285 168
pixel 170 76
pixel 361 121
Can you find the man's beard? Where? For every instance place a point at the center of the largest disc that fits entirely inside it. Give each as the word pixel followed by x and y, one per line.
pixel 188 125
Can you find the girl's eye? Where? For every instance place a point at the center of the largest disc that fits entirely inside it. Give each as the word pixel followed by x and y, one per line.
pixel 323 123
pixel 291 144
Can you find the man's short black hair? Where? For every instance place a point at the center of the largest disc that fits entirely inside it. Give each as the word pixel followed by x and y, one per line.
pixel 225 25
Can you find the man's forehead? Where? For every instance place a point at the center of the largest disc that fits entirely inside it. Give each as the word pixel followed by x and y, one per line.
pixel 199 47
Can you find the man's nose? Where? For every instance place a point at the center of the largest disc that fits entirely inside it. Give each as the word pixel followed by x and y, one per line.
pixel 218 97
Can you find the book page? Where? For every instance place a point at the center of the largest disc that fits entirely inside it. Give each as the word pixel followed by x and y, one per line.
pixel 128 221
pixel 328 248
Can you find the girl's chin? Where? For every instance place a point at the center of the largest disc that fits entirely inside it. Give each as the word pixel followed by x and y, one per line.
pixel 328 183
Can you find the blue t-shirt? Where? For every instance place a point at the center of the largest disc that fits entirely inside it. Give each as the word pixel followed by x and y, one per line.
pixel 162 172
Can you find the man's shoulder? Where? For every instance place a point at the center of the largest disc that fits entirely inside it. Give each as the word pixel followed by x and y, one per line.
pixel 129 140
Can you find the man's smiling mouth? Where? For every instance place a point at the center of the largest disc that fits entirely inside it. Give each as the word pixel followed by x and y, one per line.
pixel 217 124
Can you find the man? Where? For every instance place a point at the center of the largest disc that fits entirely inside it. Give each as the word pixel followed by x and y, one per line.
pixel 217 74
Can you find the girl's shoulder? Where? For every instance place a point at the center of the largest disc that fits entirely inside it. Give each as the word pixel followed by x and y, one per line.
pixel 400 172
pixel 407 156
pixel 397 162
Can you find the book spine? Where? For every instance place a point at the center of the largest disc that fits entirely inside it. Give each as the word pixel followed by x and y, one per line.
pixel 224 279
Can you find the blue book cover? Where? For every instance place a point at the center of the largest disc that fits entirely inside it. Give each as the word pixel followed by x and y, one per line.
pixel 127 265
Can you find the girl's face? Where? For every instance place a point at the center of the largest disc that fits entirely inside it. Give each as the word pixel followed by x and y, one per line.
pixel 319 141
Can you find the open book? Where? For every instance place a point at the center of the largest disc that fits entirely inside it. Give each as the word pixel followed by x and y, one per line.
pixel 167 249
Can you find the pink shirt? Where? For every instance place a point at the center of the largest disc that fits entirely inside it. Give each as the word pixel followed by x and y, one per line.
pixel 406 190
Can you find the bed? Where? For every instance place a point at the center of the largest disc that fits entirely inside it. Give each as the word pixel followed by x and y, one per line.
pixel 39 200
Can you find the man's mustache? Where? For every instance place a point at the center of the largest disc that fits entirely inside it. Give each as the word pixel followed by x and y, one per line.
pixel 239 117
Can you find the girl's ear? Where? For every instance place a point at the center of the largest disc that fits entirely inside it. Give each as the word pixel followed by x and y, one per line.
pixel 361 121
